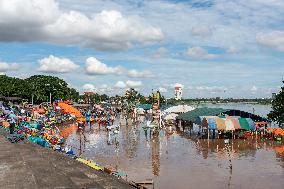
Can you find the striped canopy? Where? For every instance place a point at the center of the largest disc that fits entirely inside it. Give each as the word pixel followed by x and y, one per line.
pixel 226 123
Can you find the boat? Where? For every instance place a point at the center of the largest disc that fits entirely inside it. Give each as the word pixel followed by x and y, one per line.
pixel 90 164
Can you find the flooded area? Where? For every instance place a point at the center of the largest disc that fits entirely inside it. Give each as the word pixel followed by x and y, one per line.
pixel 176 161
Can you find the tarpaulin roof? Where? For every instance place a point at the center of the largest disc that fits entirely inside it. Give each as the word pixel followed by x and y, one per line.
pixel 236 123
pixel 144 106
pixel 179 109
pixel 211 123
pixel 229 124
pixel 194 114
pixel 225 123
pixel 251 124
pixel 244 123
pixel 220 123
pixel 170 116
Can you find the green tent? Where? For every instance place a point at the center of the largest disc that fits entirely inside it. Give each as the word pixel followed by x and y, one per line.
pixel 144 106
pixel 194 114
pixel 244 124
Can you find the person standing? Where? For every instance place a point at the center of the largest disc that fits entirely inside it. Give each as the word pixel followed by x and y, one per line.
pixel 12 118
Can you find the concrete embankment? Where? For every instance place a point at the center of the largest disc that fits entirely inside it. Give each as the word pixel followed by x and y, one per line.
pixel 27 165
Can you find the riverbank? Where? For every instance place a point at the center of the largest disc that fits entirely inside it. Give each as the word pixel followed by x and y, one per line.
pixel 27 165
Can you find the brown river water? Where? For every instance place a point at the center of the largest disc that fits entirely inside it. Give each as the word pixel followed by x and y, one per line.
pixel 177 161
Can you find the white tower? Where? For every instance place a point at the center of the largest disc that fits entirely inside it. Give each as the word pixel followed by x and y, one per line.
pixel 178 91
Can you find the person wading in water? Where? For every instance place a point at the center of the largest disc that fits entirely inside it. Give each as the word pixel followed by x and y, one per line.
pixel 12 118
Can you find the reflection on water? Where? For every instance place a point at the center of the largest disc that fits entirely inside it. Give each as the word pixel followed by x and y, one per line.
pixel 177 161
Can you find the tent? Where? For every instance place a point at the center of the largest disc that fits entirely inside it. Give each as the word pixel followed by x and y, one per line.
pixel 69 109
pixel 194 114
pixel 278 131
pixel 179 109
pixel 236 123
pixel 220 124
pixel 224 123
pixel 170 116
pixel 229 124
pixel 144 106
pixel 212 123
pixel 244 124
pixel 251 124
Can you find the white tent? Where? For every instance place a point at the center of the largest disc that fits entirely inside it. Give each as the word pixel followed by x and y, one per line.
pixel 170 116
pixel 140 111
pixel 179 109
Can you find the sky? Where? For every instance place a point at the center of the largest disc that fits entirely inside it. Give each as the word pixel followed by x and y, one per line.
pixel 213 48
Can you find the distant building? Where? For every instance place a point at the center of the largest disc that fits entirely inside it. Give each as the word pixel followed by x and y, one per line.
pixel 273 96
pixel 88 97
pixel 178 91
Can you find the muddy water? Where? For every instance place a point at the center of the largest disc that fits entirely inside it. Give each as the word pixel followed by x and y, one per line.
pixel 176 161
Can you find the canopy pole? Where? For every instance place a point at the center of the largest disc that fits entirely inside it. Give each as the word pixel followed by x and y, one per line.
pixel 208 133
pixel 208 137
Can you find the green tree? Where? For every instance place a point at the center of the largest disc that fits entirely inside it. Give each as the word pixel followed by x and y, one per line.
pixel 37 86
pixel 11 86
pixel 41 87
pixel 277 112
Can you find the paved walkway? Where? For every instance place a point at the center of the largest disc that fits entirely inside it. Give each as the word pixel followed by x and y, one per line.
pixel 27 165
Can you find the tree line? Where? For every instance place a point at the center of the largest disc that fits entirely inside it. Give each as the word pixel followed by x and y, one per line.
pixel 37 87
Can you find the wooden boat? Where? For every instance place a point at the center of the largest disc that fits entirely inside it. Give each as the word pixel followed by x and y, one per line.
pixel 90 164
pixel 109 169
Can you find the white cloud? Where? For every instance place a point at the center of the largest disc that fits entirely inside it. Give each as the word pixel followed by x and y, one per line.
pixel 105 89
pixel 4 67
pixel 133 84
pixel 254 88
pixel 202 31
pixel 128 84
pixel 200 53
pixel 107 30
pixel 273 39
pixel 53 64
pixel 88 87
pixel 141 74
pixel 162 89
pixel 160 52
pixel 95 67
pixel 120 85
pixel 232 50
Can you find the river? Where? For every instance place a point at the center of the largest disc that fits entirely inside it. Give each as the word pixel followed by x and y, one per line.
pixel 175 161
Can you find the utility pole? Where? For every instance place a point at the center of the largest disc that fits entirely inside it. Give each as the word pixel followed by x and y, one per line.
pixel 50 97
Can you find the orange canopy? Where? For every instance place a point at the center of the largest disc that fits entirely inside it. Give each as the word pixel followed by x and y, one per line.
pixel 278 131
pixel 68 130
pixel 220 124
pixel 70 109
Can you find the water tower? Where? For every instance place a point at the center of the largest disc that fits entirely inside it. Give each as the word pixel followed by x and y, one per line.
pixel 178 91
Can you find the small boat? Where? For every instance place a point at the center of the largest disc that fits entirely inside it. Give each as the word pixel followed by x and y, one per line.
pixel 90 164
pixel 120 174
pixel 109 169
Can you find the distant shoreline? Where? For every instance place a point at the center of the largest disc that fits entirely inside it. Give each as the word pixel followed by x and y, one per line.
pixel 220 103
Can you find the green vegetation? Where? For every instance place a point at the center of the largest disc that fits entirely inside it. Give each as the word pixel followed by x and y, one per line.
pixel 264 101
pixel 37 87
pixel 93 98
pixel 277 113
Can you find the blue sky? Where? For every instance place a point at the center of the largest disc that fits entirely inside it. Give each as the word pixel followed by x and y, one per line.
pixel 213 48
